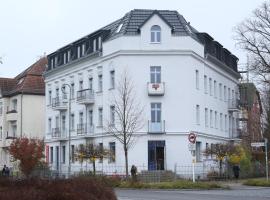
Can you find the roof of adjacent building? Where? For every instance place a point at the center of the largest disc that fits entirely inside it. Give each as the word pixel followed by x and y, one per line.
pixel 131 23
pixel 30 81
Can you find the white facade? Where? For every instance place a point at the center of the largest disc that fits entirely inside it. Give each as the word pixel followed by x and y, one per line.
pixel 21 115
pixel 190 85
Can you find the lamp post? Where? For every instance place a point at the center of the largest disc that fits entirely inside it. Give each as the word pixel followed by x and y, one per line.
pixel 69 125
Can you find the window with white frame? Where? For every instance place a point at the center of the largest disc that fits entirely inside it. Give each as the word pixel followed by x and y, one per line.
pixel 68 55
pixel 83 49
pixel 72 95
pixel 100 117
pixel 206 117
pixel 155 34
pixel 65 58
pixel 72 121
pixel 198 114
pixel 225 93
pixel 63 154
pixel 205 84
pixel 211 118
pixel 51 154
pixel 90 83
pixel 198 151
pixel 155 74
pixel 210 86
pixel 221 121
pixel 229 93
pixel 78 51
pixel 81 85
pixel 49 97
pixel 215 88
pixel 220 91
pixel 99 43
pixel 81 118
pixel 112 115
pixel 155 112
pixel 91 117
pixel 216 119
pixel 225 123
pixel 94 45
pixel 100 83
pixel 112 79
pixel 197 80
pixel 49 126
pixel 112 152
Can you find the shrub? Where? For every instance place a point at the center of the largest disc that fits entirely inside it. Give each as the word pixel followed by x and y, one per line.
pixel 257 182
pixel 69 189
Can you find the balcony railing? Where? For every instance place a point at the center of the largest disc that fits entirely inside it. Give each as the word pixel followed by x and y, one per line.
pixel 85 96
pixel 58 133
pixel 156 89
pixel 233 105
pixel 235 133
pixel 85 129
pixel 60 103
pixel 156 127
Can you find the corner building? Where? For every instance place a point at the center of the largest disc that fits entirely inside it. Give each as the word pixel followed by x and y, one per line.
pixel 186 79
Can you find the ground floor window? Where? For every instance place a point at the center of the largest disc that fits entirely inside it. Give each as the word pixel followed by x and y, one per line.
pixel 112 152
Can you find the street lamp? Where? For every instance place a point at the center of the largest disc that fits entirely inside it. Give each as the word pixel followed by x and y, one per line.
pixel 69 125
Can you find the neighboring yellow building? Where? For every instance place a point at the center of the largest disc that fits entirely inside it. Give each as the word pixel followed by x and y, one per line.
pixel 22 107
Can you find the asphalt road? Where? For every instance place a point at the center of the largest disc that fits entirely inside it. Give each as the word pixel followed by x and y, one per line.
pixel 247 193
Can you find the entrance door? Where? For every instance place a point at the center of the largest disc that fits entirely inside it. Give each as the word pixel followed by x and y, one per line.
pixel 156 154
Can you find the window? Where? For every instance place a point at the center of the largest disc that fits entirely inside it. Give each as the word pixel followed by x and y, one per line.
pixel 100 116
pixel 14 104
pixel 90 83
pixel 101 149
pixel 229 93
pixel 72 121
pixel 221 121
pixel 91 118
pixel 51 154
pixel 81 118
pixel 216 122
pixel 100 83
pixel 197 114
pixel 72 90
pixel 78 51
pixel 49 126
pixel 56 122
pixel 63 154
pixel 112 79
pixel 210 86
pixel 94 45
pixel 81 85
pixel 225 124
pixel 99 43
pixel 197 80
pixel 155 74
pixel 205 84
pixel 198 151
pixel 206 117
pixel 72 153
pixel 211 118
pixel 155 112
pixel 63 123
pixel 1 132
pixel 14 129
pixel 220 91
pixel 68 55
pixel 215 88
pixel 83 49
pixel 225 93
pixel 57 92
pixel 112 115
pixel 155 34
pixel 64 58
pixel 112 152
pixel 50 97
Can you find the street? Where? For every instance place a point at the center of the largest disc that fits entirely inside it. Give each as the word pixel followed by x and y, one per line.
pixel 245 193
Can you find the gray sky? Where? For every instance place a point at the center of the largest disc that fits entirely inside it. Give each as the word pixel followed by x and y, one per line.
pixel 29 28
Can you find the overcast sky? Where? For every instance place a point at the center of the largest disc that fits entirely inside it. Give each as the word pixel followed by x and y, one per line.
pixel 30 28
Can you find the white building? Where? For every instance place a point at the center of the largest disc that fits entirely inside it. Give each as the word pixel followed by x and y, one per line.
pixel 196 91
pixel 22 108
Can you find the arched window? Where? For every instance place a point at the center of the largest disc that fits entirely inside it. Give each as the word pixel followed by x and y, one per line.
pixel 155 34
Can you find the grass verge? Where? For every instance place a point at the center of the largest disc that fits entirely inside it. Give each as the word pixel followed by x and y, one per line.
pixel 170 185
pixel 257 182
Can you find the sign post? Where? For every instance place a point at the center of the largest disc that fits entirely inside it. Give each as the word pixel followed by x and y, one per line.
pixel 192 148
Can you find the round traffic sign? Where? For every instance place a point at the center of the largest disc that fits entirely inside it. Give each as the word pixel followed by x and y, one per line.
pixel 192 138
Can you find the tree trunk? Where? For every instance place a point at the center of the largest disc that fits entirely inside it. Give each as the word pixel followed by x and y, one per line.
pixel 94 167
pixel 126 162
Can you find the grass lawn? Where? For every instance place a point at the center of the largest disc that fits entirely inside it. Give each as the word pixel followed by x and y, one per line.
pixel 257 182
pixel 170 185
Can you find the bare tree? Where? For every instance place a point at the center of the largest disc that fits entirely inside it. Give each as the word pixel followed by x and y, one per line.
pixel 128 114
pixel 253 35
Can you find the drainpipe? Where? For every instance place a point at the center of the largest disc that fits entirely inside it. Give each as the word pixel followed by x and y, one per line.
pixel 21 112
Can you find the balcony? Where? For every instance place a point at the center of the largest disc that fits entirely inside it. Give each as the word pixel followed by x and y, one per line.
pixel 156 89
pixel 233 105
pixel 156 127
pixel 12 115
pixel 85 130
pixel 235 133
pixel 58 133
pixel 60 103
pixel 86 96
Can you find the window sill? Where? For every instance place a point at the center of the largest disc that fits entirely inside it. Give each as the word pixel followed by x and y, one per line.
pixel 155 42
pixel 111 88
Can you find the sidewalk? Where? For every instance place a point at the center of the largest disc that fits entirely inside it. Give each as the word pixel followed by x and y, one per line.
pixel 233 185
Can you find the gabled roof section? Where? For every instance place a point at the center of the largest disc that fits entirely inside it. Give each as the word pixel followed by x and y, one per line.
pixel 30 81
pixel 155 12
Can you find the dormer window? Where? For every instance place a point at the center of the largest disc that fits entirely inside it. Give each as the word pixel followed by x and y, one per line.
pixel 78 51
pixel 68 55
pixel 155 34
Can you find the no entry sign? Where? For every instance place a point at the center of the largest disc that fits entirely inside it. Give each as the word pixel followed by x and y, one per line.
pixel 192 138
